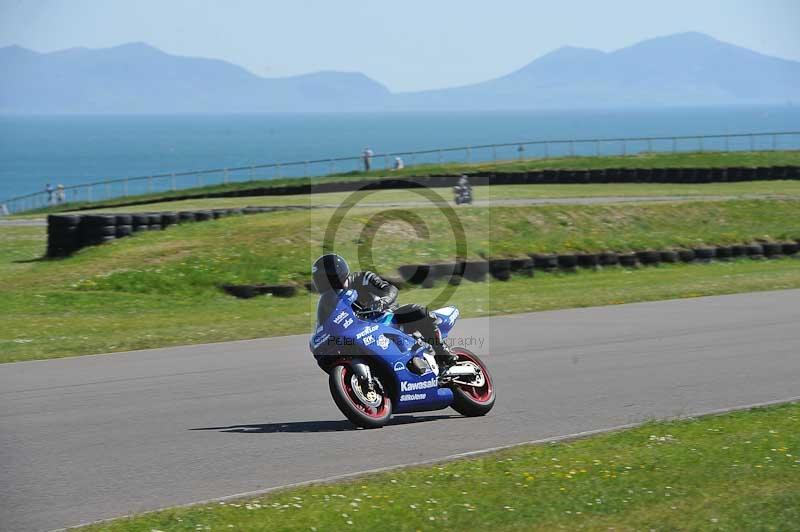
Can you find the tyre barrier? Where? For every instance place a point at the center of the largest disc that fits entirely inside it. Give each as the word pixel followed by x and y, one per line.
pixel 669 256
pixel 790 248
pixel 568 262
pixel 493 177
pixel 522 266
pixel 772 249
pixel 477 271
pixel 649 257
pixel 755 251
pixel 628 260
pixel 724 252
pixel 588 260
pixel 704 254
pixel 608 258
pixel 247 291
pixel 500 269
pixel 545 262
pixel 67 233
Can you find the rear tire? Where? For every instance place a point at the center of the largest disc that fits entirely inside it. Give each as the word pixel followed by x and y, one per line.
pixel 341 380
pixel 468 400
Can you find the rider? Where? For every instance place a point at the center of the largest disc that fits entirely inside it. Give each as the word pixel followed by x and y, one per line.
pixel 332 275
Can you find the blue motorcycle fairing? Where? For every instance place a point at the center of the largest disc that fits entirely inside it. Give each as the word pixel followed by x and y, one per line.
pixel 445 319
pixel 343 333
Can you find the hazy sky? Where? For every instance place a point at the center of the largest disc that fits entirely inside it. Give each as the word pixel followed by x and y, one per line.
pixel 407 45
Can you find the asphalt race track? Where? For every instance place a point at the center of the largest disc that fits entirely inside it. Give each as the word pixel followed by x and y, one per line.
pixel 94 437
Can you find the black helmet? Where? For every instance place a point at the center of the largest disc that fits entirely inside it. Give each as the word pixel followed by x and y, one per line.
pixel 329 272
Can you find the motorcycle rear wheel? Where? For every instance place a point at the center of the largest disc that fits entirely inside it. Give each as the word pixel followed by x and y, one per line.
pixel 349 396
pixel 468 400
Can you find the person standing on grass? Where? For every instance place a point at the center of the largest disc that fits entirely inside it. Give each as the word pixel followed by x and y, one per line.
pixel 367 156
pixel 49 189
pixel 61 196
pixel 398 163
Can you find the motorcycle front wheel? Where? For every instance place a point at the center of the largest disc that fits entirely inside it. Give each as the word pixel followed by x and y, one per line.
pixel 364 408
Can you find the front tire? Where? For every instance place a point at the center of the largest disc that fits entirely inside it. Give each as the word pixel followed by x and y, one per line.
pixel 472 401
pixel 369 412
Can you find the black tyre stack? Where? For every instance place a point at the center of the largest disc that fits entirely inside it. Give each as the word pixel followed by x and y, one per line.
pixel 124 225
pixel 96 229
pixel 139 222
pixel 63 237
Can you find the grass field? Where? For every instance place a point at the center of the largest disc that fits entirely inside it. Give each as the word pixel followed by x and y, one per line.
pixel 746 189
pixel 656 160
pixel 161 288
pixel 739 471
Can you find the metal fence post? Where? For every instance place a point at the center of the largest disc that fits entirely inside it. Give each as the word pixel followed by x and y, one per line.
pixel 441 159
pixel 624 147
pixel 252 174
pixel 494 152
pixel 108 190
pixel 701 144
pixel 752 143
pixel 225 176
pixel 727 143
pixel 305 169
pixel 88 192
pixel 774 142
pixel 469 154
pixel 572 148
pixel 125 187
pixel 546 151
pixel 597 148
pixel 649 145
pixel 174 188
pixel 674 145
pixel 333 166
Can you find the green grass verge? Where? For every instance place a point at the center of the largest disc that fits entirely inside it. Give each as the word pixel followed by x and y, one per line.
pixel 57 315
pixel 738 471
pixel 161 288
pixel 745 189
pixel 656 160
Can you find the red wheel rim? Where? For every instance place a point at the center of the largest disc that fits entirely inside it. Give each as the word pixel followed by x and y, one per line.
pixel 484 393
pixel 351 396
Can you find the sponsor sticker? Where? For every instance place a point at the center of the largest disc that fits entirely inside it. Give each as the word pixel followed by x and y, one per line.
pixel 369 340
pixel 347 323
pixel 412 396
pixel 320 339
pixel 366 330
pixel 341 316
pixel 406 386
pixel 383 342
pixel 399 366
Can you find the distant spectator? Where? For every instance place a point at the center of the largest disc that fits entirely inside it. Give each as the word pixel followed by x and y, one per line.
pixel 398 163
pixel 367 156
pixel 4 210
pixel 61 195
pixel 48 188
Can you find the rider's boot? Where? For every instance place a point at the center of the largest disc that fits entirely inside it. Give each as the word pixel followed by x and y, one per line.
pixel 444 358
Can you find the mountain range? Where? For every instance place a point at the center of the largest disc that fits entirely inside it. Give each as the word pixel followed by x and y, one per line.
pixel 676 70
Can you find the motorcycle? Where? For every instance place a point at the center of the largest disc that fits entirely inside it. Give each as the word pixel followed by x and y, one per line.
pixel 463 194
pixel 375 369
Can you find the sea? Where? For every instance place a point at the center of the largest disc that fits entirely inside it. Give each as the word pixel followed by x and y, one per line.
pixel 70 150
